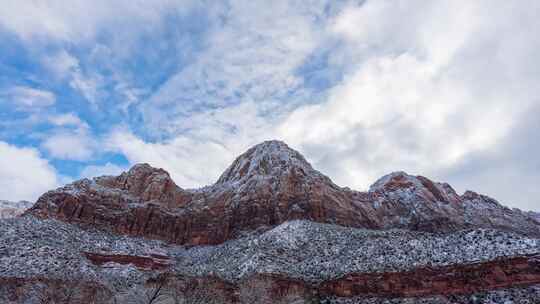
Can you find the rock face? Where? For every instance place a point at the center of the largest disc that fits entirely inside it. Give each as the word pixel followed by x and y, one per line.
pixel 264 187
pixel 152 262
pixel 452 280
pixel 12 209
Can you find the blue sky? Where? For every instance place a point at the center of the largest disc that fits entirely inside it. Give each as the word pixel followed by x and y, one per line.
pixel 446 89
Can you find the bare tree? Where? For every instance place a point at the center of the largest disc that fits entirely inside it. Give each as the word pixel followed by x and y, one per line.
pixel 169 289
pixel 255 291
pixel 72 291
pixel 261 290
pixel 152 292
pixel 190 291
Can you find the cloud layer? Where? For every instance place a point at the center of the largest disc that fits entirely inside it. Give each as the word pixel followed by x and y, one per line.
pixel 444 89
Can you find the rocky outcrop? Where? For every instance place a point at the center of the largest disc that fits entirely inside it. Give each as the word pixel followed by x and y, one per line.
pixel 268 185
pixel 454 280
pixel 449 280
pixel 152 262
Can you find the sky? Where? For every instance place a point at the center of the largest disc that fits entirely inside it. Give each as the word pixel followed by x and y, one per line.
pixel 445 89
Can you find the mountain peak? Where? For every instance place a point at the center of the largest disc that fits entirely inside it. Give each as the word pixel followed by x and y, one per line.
pixel 144 168
pixel 145 181
pixel 395 180
pixel 269 158
pixel 422 186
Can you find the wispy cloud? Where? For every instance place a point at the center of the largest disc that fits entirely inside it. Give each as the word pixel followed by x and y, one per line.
pixel 68 119
pixel 208 143
pixel 27 98
pixel 100 170
pixel 65 66
pixel 69 145
pixel 444 89
pixel 251 56
pixel 79 20
pixel 71 139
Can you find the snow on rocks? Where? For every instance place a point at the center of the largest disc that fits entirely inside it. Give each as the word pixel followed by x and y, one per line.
pixel 31 247
pixel 12 209
pixel 318 252
pixel 303 250
pixel 297 250
pixel 270 158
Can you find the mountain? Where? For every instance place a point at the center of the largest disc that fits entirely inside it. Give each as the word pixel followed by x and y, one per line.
pixel 264 187
pixel 12 209
pixel 272 229
pixel 534 215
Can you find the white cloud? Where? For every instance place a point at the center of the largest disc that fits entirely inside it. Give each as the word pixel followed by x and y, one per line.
pixel 65 66
pixel 107 169
pixel 81 20
pixel 68 119
pixel 29 99
pixel 418 94
pixel 71 139
pixel 24 175
pixel 190 163
pixel 61 64
pixel 73 145
pixel 251 57
pixel 79 24
pixel 209 144
pixel 87 86
pixel 425 85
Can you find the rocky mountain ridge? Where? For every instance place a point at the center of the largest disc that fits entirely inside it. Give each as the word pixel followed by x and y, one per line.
pixel 264 187
pixel 272 229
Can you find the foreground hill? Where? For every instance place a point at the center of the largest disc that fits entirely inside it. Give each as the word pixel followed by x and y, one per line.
pixel 270 230
pixel 295 261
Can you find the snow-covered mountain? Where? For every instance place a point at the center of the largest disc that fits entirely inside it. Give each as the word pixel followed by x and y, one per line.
pixel 264 187
pixel 272 229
